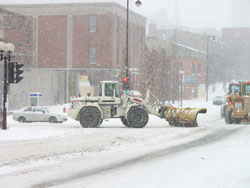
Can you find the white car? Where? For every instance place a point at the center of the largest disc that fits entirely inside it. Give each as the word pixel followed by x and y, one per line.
pixel 132 93
pixel 38 114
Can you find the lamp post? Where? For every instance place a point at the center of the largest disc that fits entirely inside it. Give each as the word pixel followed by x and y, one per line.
pixel 138 4
pixel 5 56
pixel 207 71
pixel 181 76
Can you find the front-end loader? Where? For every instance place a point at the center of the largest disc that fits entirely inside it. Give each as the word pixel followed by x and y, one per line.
pixel 233 90
pixel 133 111
pixel 238 109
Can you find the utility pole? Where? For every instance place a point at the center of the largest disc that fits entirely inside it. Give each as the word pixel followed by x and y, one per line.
pixel 207 71
pixel 174 67
pixel 138 4
pixel 5 92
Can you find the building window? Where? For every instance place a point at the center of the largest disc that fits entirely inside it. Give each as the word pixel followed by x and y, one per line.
pixel 199 68
pixel 193 69
pixel 92 55
pixel 92 23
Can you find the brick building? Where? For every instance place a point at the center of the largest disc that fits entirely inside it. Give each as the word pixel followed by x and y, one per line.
pixel 87 38
pixel 186 60
pixel 18 29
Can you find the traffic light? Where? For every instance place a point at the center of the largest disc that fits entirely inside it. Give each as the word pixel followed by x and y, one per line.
pixel 11 72
pixel 19 72
pixel 14 72
pixel 125 85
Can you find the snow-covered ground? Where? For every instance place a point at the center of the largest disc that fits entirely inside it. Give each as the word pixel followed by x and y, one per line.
pixel 66 155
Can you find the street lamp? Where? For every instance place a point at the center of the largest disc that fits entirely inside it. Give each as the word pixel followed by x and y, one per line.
pixel 138 4
pixel 208 38
pixel 5 56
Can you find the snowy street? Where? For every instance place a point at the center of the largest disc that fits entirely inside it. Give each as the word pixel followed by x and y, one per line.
pixel 65 155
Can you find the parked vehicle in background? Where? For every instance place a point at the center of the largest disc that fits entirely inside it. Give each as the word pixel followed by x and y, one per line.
pixel 38 114
pixel 218 100
pixel 132 93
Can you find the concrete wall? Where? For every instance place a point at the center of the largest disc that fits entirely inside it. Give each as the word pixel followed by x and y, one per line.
pixel 52 85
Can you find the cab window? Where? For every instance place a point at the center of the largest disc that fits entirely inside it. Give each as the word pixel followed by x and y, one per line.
pixel 246 89
pixel 109 90
pixel 234 89
pixel 100 89
pixel 117 90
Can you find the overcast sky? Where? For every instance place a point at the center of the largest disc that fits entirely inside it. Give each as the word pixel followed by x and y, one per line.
pixel 193 13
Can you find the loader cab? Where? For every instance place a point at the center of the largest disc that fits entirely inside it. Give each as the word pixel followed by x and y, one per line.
pixel 234 88
pixel 109 92
pixel 246 89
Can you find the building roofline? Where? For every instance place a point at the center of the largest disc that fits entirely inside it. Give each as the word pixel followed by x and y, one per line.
pixel 69 5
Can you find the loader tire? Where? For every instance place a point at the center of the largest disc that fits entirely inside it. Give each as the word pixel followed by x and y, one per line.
pixel 223 110
pixel 237 121
pixel 228 116
pixel 137 117
pixel 124 122
pixel 90 117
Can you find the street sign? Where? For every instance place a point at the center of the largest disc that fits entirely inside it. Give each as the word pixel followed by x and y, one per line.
pixel 189 79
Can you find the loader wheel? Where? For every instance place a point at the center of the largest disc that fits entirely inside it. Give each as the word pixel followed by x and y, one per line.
pixel 100 122
pixel 90 117
pixel 237 121
pixel 125 122
pixel 137 117
pixel 228 116
pixel 222 111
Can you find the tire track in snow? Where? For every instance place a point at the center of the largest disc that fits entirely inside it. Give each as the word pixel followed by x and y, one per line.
pixel 215 136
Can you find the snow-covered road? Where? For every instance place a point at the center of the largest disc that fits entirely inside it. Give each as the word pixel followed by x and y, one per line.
pixel 44 155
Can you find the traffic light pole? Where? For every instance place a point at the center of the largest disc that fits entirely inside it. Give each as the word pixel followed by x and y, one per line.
pixel 5 91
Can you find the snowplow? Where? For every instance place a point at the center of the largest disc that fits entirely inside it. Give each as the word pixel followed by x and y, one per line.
pixel 133 111
pixel 183 117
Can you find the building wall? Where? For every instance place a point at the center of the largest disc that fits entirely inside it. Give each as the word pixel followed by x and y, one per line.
pixel 52 85
pixel 52 42
pixel 190 90
pixel 102 39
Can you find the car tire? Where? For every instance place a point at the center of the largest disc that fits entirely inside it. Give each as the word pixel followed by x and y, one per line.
pixel 22 119
pixel 137 117
pixel 90 117
pixel 52 119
